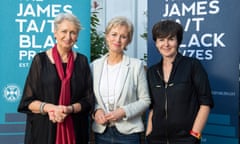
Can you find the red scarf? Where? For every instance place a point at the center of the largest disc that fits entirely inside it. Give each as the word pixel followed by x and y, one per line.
pixel 65 131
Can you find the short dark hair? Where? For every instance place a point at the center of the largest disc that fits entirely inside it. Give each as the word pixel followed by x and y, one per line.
pixel 165 28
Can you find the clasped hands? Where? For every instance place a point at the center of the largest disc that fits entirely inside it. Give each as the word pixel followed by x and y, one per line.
pixel 103 118
pixel 58 113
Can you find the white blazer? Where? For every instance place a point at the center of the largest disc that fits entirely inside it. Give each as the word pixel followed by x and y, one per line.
pixel 133 97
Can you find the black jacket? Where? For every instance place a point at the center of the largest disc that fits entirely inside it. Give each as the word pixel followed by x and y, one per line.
pixel 175 104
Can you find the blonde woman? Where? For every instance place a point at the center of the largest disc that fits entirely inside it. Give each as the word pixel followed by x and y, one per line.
pixel 120 88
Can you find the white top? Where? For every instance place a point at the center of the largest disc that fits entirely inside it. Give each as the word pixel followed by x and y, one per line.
pixel 109 84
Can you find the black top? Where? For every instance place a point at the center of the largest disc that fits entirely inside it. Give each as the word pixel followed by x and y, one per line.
pixel 175 104
pixel 43 84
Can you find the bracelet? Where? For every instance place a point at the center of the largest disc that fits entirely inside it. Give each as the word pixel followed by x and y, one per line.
pixel 72 108
pixel 41 109
pixel 195 134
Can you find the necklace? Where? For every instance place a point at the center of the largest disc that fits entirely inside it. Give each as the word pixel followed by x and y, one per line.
pixel 114 73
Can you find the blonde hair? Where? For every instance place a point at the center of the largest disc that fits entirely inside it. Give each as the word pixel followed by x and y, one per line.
pixel 120 21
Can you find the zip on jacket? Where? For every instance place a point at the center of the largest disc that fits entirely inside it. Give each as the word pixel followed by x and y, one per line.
pixel 166 99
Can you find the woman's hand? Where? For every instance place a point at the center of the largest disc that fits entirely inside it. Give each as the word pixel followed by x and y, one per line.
pixel 148 130
pixel 58 113
pixel 149 124
pixel 115 115
pixel 99 116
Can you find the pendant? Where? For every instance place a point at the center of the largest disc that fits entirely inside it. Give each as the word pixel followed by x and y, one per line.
pixel 111 107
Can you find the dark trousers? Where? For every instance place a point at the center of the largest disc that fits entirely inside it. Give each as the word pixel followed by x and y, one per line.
pixel 183 140
pixel 113 136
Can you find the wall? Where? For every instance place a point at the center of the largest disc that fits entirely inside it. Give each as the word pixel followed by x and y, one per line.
pixel 135 10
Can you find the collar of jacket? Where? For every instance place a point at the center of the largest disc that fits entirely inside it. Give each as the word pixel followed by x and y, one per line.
pixel 175 64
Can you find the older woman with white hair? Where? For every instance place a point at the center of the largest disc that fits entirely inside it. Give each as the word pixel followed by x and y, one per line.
pixel 58 96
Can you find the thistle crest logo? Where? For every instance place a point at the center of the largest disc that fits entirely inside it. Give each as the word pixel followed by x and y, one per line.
pixel 11 93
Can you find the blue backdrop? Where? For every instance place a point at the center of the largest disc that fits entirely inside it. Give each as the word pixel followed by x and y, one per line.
pixel 212 35
pixel 26 28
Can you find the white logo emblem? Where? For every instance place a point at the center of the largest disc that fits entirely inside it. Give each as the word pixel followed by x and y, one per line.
pixel 11 93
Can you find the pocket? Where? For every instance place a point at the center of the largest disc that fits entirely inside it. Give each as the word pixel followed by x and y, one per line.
pixel 148 133
pixel 195 140
pixel 148 139
pixel 151 139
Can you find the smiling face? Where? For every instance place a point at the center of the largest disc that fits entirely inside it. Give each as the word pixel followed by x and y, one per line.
pixel 66 34
pixel 117 38
pixel 167 35
pixel 167 46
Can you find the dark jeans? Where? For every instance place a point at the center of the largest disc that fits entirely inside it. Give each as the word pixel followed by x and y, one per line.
pixel 184 140
pixel 113 136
